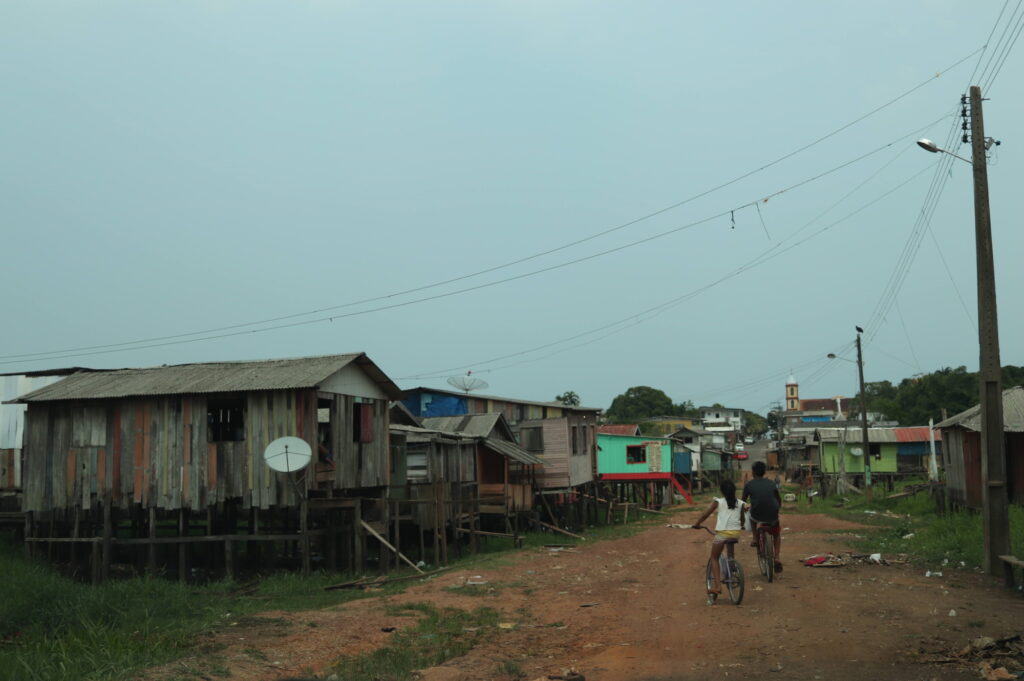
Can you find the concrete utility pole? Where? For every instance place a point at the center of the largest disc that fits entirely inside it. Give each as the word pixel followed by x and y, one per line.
pixel 995 505
pixel 864 419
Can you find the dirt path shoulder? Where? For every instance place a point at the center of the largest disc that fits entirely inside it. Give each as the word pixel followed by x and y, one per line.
pixel 634 608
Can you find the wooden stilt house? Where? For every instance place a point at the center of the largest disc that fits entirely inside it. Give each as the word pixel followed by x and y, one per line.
pixel 185 443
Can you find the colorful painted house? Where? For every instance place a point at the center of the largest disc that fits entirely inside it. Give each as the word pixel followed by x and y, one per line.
pixel 633 458
pixel 848 444
pixel 913 448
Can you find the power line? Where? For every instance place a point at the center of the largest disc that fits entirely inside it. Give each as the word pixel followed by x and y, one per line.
pixel 184 338
pixel 156 341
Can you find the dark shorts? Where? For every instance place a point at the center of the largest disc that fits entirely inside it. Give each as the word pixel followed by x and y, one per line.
pixel 772 528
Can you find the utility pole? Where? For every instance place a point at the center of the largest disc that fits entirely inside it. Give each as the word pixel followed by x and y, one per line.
pixel 864 419
pixel 995 505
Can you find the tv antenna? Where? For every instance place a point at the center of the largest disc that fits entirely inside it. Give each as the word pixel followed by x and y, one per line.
pixel 288 454
pixel 467 383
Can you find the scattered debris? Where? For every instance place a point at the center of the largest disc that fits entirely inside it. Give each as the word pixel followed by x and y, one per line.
pixel 929 573
pixel 823 560
pixel 476 580
pixel 388 630
pixel 678 526
pixel 587 605
pixel 506 625
pixel 952 612
pixel 995 659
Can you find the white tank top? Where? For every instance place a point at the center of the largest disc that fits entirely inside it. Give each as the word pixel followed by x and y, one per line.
pixel 728 518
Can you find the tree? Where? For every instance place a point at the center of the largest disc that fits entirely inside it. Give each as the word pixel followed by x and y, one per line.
pixel 569 398
pixel 756 424
pixel 639 403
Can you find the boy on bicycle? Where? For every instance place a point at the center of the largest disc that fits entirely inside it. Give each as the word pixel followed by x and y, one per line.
pixel 765 503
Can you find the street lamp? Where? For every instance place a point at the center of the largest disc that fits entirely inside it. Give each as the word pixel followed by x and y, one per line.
pixel 996 519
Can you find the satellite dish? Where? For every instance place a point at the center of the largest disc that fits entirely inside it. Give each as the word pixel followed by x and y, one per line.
pixel 288 454
pixel 856 451
pixel 467 383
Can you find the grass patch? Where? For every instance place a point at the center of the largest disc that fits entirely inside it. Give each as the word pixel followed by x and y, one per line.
pixel 440 635
pixel 912 526
pixel 55 629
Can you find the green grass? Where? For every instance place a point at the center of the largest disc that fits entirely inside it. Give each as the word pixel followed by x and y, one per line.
pixel 953 539
pixel 440 635
pixel 55 629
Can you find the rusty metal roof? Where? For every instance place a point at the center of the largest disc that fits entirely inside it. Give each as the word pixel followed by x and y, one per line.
pixel 476 425
pixel 619 429
pixel 209 377
pixel 915 434
pixel 1013 414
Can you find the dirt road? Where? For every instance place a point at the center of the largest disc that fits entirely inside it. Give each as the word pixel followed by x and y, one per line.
pixel 633 608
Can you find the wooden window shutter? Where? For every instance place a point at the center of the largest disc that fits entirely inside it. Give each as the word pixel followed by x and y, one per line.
pixel 365 422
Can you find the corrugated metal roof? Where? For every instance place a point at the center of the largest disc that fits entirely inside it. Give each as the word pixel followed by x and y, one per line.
pixel 495 398
pixel 880 435
pixel 619 429
pixel 915 434
pixel 210 377
pixel 1013 413
pixel 476 425
pixel 512 451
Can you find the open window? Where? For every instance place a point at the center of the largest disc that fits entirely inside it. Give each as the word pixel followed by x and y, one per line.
pixel 225 420
pixel 875 450
pixel 636 454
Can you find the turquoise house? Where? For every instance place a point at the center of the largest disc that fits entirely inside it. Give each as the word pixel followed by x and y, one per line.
pixel 837 444
pixel 639 455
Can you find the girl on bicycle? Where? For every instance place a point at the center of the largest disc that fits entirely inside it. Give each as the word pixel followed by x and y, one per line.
pixel 728 526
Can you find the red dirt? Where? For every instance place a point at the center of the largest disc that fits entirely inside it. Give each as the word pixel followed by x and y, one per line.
pixel 649 619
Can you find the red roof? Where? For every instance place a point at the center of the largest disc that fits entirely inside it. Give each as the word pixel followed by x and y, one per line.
pixel 916 434
pixel 619 429
pixel 825 404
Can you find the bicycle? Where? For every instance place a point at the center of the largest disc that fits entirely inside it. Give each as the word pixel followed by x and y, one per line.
pixel 731 570
pixel 765 542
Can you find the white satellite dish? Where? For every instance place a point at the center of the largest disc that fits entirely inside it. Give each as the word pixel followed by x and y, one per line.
pixel 288 454
pixel 856 451
pixel 467 383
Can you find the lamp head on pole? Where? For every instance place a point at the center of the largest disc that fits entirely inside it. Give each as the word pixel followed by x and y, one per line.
pixel 928 145
pixel 831 355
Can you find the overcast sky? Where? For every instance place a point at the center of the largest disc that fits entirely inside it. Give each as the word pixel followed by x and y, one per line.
pixel 179 167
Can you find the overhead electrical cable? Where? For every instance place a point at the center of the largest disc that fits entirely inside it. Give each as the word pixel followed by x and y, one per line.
pixel 177 340
pixel 206 333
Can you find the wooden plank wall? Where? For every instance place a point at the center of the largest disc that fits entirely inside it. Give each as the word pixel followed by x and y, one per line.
pixel 555 473
pixel 10 469
pixel 154 452
pixel 359 464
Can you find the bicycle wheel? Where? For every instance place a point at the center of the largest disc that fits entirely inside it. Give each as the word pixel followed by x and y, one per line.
pixel 768 549
pixel 709 579
pixel 735 582
pixel 762 562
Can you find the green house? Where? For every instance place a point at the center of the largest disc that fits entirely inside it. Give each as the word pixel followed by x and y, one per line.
pixel 836 444
pixel 633 454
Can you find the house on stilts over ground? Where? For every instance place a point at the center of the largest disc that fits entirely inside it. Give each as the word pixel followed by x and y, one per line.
pixel 162 467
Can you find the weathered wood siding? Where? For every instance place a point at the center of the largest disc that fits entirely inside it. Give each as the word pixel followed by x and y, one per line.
pixel 556 471
pixel 155 452
pixel 360 464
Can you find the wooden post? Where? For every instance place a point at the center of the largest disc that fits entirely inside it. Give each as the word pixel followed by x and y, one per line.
pixel 107 536
pixel 229 560
pixel 94 559
pixel 358 536
pixel 385 510
pixel 75 528
pixel 29 527
pixel 151 549
pixel 332 540
pixel 304 534
pixel 398 524
pixel 182 547
pixel 434 526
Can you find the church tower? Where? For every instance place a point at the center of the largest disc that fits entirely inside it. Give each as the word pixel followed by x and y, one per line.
pixel 792 394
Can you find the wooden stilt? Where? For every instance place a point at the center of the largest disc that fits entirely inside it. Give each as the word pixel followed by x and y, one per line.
pixel 358 537
pixel 332 540
pixel 29 532
pixel 95 561
pixel 75 527
pixel 303 532
pixel 229 560
pixel 151 549
pixel 182 547
pixel 108 529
